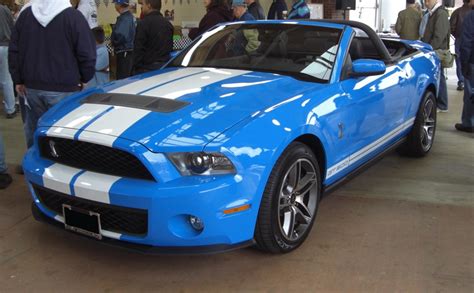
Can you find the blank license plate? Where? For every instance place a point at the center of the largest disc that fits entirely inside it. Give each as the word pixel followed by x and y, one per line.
pixel 82 221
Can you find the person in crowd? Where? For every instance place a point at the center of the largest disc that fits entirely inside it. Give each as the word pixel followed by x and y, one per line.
pixel 276 9
pixel 456 22
pixel 217 11
pixel 101 75
pixel 88 8
pixel 51 55
pixel 408 22
pixel 6 27
pixel 240 11
pixel 425 16
pixel 300 10
pixel 437 34
pixel 5 178
pixel 154 39
pixel 244 41
pixel 255 9
pixel 122 39
pixel 467 68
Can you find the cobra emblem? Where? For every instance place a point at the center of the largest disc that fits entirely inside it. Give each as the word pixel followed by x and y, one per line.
pixel 52 148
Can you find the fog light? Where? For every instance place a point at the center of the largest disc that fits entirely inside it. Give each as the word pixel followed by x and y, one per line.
pixel 196 223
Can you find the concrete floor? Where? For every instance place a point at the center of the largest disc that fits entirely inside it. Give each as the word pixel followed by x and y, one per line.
pixel 404 225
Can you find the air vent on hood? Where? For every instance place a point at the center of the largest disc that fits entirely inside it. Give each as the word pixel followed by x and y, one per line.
pixel 153 104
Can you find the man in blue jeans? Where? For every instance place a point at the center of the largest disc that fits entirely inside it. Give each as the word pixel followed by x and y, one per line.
pixel 456 21
pixel 6 25
pixel 5 178
pixel 51 55
pixel 467 67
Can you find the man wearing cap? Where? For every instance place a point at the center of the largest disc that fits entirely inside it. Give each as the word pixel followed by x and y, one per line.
pixel 246 40
pixel 122 39
pixel 408 22
pixel 239 8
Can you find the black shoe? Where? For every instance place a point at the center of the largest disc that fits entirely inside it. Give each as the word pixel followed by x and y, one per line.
pixel 460 87
pixel 11 115
pixel 463 128
pixel 5 180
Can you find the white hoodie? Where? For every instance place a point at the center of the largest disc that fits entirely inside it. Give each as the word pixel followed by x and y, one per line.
pixel 46 10
pixel 89 10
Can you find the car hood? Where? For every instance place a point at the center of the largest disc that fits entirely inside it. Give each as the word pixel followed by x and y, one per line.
pixel 175 107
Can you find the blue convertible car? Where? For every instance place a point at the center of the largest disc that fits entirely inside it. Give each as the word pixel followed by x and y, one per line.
pixel 234 141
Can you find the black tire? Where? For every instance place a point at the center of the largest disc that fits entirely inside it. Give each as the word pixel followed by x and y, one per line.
pixel 269 232
pixel 420 140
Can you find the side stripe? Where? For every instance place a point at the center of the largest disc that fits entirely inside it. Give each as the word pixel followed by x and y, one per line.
pixel 359 155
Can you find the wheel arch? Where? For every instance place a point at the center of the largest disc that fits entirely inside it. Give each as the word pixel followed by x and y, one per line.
pixel 315 144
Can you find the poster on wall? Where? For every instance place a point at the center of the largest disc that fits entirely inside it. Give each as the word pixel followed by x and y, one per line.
pixel 316 11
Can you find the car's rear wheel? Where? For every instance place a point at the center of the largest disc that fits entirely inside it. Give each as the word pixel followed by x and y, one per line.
pixel 420 139
pixel 290 201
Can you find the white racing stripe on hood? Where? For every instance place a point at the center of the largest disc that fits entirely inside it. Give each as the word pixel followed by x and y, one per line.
pixel 46 10
pixel 79 117
pixel 193 84
pixel 113 124
pixel 150 82
pixel 94 186
pixel 57 177
pixel 61 132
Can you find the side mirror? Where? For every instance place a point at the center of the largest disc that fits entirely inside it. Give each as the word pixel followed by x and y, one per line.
pixel 367 67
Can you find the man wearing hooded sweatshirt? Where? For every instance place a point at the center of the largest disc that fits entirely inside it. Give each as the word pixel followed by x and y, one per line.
pixel 51 55
pixel 88 8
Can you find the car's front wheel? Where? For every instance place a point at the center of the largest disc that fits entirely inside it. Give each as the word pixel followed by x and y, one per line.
pixel 290 201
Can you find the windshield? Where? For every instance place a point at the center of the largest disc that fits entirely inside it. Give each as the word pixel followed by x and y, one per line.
pixel 304 52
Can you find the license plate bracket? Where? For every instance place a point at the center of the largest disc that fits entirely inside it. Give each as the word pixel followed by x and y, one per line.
pixel 82 221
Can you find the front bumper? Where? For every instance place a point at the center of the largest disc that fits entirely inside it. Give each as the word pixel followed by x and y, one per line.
pixel 147 249
pixel 168 204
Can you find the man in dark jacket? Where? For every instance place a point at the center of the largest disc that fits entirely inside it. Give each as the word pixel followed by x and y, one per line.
pixel 218 11
pixel 467 67
pixel 456 21
pixel 437 34
pixel 276 9
pixel 254 8
pixel 51 55
pixel 153 40
pixel 122 39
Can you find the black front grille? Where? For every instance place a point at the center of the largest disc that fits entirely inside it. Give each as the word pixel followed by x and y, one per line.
pixel 93 157
pixel 112 218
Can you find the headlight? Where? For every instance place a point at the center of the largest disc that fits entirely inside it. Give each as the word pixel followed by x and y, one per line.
pixel 201 163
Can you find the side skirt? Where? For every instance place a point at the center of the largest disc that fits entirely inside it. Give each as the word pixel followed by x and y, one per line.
pixel 328 189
